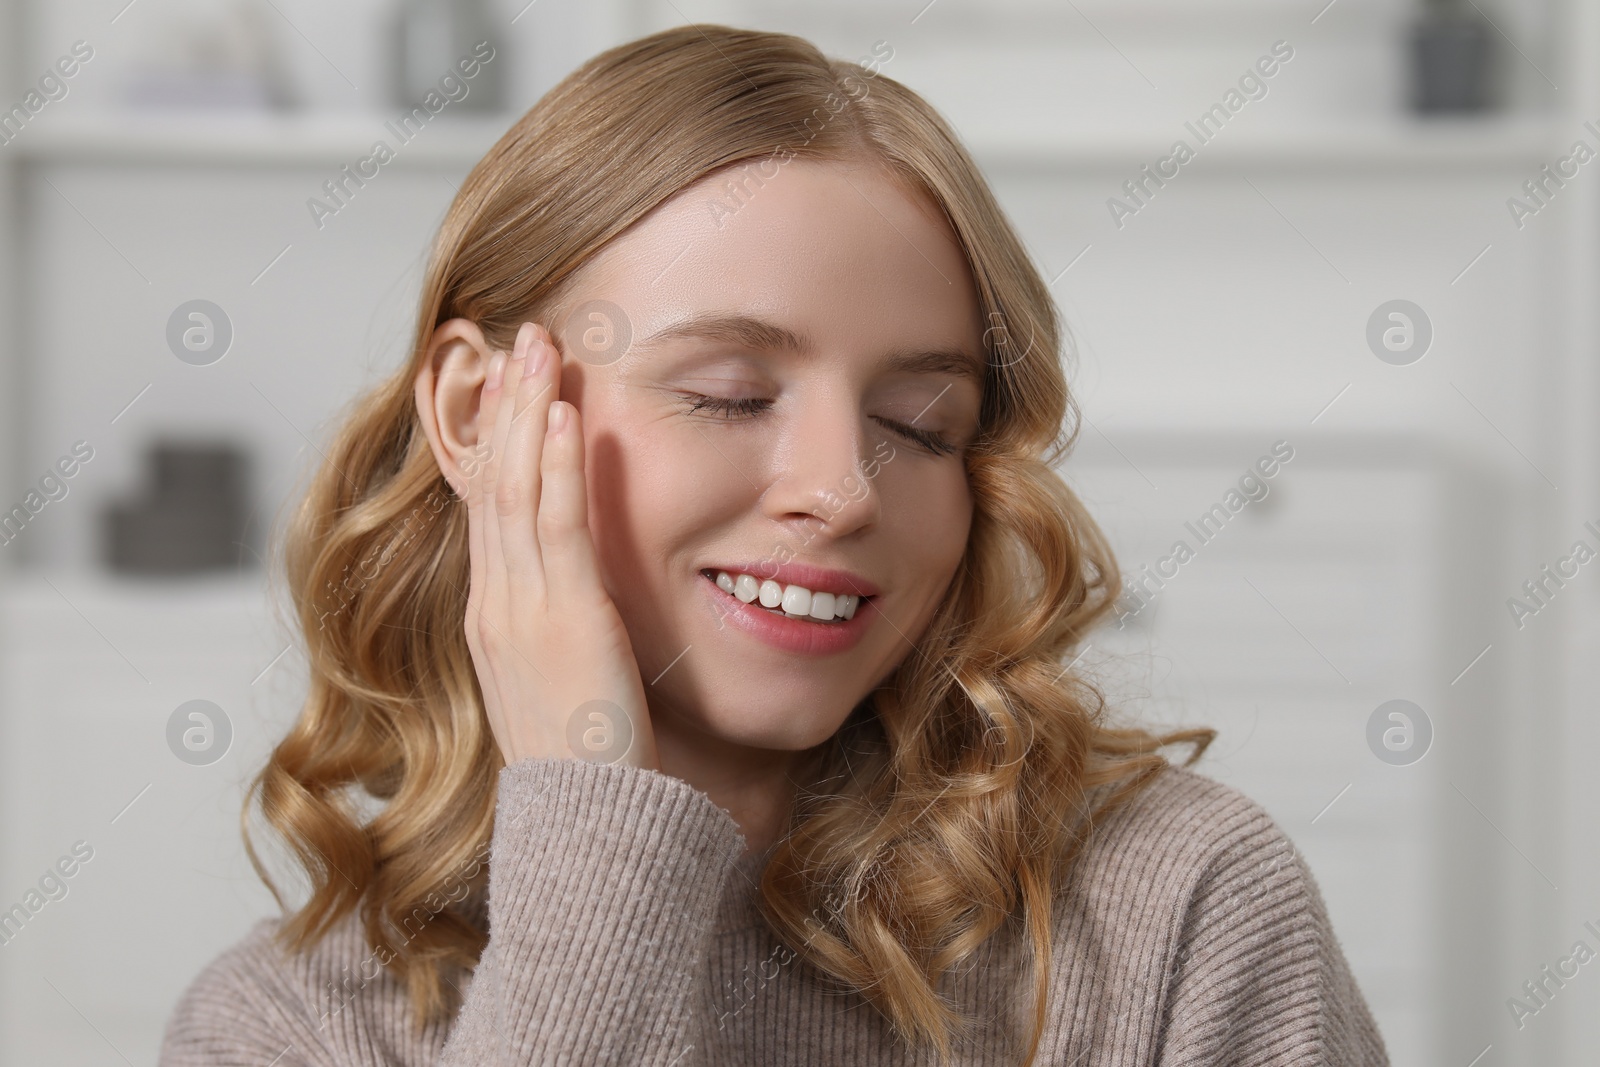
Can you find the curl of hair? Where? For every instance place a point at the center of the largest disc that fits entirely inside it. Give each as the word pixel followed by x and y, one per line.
pixel 953 799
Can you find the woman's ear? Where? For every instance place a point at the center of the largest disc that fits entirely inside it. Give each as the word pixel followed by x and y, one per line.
pixel 449 388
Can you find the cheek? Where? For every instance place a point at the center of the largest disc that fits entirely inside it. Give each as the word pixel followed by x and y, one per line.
pixel 616 512
pixel 652 498
pixel 931 514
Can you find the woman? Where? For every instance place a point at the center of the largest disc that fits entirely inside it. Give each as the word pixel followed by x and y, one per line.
pixel 737 639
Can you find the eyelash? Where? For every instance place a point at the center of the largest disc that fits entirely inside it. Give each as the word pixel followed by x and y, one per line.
pixel 730 407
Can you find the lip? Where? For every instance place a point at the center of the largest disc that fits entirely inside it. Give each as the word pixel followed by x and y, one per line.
pixel 786 634
pixel 816 579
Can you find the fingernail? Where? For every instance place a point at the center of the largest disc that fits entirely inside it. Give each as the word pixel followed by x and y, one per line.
pixel 497 370
pixel 540 352
pixel 520 348
pixel 558 416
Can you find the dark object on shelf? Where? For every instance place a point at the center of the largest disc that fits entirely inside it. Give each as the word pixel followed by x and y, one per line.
pixel 1452 60
pixel 190 520
pixel 428 42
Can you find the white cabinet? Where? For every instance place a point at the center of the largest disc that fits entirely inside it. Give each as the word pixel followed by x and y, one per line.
pixel 1284 627
pixel 90 673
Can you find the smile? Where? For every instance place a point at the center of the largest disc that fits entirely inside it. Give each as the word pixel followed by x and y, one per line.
pixel 794 601
pixel 848 616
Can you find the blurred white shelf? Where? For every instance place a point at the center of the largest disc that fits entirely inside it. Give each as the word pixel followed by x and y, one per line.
pixel 459 141
pixel 256 138
pixel 1397 143
pixel 26 590
pixel 138 629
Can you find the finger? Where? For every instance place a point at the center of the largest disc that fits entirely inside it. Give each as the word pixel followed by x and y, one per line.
pixel 498 495
pixel 488 579
pixel 572 574
pixel 519 475
pixel 473 468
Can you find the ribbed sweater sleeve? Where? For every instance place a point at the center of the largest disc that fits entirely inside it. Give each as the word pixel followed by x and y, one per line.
pixel 603 889
pixel 1258 978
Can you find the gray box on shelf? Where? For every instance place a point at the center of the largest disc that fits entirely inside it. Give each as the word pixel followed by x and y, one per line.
pixel 192 518
pixel 1452 60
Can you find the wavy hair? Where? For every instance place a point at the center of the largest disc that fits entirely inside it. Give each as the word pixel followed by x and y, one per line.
pixel 949 801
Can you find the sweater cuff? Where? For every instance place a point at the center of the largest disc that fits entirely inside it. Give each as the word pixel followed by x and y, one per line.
pixel 574 819
pixel 604 884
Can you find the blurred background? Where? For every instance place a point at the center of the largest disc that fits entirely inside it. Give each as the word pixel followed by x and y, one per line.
pixel 1373 273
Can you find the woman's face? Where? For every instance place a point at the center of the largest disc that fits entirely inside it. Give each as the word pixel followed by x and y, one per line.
pixel 830 319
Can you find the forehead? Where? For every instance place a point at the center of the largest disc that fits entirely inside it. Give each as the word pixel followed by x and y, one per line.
pixel 841 252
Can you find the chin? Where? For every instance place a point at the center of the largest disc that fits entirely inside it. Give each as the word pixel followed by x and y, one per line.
pixel 776 725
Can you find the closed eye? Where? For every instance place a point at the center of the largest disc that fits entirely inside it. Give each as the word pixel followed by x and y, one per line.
pixel 729 408
pixel 933 442
pixel 726 406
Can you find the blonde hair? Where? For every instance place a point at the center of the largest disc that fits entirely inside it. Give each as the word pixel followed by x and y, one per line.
pixel 950 800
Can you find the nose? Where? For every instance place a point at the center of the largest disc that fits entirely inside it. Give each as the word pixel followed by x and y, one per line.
pixel 822 485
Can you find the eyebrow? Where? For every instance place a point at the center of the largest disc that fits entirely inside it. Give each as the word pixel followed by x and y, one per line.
pixel 766 336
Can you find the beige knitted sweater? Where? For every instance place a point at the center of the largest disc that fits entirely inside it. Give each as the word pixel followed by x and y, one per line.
pixel 624 930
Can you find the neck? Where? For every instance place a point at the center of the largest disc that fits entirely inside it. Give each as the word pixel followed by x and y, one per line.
pixel 753 785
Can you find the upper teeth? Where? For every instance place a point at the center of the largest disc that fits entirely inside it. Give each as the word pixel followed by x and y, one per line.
pixel 795 600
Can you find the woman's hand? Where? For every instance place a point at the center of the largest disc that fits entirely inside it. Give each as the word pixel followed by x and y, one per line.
pixel 553 658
